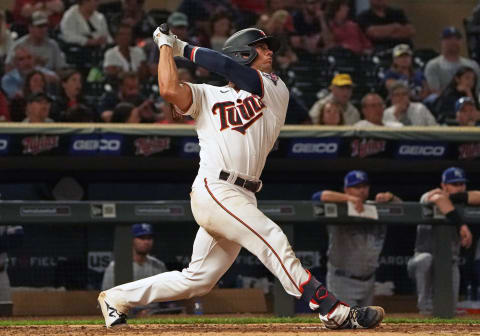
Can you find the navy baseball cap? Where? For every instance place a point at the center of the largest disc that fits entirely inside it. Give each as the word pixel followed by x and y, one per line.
pixel 355 177
pixel 451 31
pixel 453 175
pixel 462 101
pixel 142 229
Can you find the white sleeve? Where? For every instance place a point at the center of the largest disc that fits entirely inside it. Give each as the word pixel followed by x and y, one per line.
pixel 197 98
pixel 389 115
pixel 111 59
pixel 69 29
pixel 429 118
pixel 423 199
pixel 275 94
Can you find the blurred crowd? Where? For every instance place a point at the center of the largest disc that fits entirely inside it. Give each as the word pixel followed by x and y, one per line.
pixel 86 61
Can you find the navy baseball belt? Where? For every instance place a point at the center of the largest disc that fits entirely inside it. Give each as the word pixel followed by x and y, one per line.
pixel 253 186
pixel 342 273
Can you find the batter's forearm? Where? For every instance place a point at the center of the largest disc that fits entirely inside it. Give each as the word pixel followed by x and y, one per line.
pixel 243 77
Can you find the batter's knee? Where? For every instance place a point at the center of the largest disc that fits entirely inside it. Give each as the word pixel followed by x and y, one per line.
pixel 202 287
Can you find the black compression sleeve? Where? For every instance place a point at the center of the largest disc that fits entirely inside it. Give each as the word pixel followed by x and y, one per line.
pixel 454 218
pixel 242 76
pixel 461 197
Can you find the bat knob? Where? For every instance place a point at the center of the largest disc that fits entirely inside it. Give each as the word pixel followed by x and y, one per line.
pixel 164 28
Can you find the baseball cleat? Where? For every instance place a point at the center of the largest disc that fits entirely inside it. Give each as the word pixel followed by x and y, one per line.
pixel 113 317
pixel 363 317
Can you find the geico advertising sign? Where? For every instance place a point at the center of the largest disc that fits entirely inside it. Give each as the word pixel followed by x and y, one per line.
pixel 422 150
pixel 108 144
pixel 189 147
pixel 314 148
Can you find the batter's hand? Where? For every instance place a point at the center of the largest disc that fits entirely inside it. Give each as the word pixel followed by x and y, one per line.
pixel 465 236
pixel 161 38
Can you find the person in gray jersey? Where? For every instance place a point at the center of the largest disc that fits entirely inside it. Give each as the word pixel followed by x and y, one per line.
pixel 353 250
pixel 144 265
pixel 452 190
pixel 10 237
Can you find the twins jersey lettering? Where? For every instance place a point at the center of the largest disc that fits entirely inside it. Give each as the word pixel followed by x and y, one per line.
pixel 237 130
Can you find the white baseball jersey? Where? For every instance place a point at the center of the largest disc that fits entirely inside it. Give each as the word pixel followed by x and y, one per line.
pixel 237 130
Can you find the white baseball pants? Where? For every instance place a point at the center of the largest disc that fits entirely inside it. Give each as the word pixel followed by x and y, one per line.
pixel 229 220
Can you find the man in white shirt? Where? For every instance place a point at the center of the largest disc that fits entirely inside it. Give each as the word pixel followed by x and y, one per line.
pixel 373 108
pixel 404 111
pixel 83 25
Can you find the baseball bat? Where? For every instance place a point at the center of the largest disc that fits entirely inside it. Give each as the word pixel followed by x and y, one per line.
pixel 164 28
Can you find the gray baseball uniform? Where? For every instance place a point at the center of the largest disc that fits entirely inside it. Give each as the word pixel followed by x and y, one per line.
pixel 420 266
pixel 353 253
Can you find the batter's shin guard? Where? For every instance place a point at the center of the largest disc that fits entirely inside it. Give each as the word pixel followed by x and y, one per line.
pixel 317 296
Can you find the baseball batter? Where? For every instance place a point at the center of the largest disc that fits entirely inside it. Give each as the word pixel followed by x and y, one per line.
pixel 237 126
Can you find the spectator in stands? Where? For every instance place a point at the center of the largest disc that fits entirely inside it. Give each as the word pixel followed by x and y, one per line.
pixel 38 108
pixel 178 23
pixel 133 13
pixel 353 250
pixel 385 26
pixel 78 113
pixel 279 25
pixel 345 32
pixel 464 83
pixel 11 237
pixel 144 265
pixel 4 110
pixel 13 81
pixel 129 114
pixel 310 23
pixel 440 70
pixel 199 11
pixel 340 91
pixel 129 92
pixel 331 114
pixel 466 112
pixel 452 191
pixel 221 27
pixel 402 70
pixel 373 108
pixel 46 51
pixel 6 40
pixel 82 25
pixel 404 111
pixel 35 82
pixel 124 57
pixel 70 93
pixel 23 10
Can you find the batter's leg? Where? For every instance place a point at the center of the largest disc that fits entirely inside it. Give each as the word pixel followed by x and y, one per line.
pixel 211 258
pixel 237 218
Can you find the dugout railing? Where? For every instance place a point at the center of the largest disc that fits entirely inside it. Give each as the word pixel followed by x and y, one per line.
pixel 286 213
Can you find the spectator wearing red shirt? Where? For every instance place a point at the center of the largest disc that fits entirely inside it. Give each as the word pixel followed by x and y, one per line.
pixel 346 33
pixel 4 111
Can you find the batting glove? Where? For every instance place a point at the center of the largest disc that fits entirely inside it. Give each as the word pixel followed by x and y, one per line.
pixel 163 39
pixel 179 47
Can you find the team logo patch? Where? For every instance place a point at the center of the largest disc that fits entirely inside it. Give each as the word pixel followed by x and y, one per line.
pixel 274 78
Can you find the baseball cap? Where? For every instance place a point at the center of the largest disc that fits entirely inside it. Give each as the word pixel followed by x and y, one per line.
pixel 451 31
pixel 177 19
pixel 355 177
pixel 462 101
pixel 401 49
pixel 39 18
pixel 342 80
pixel 142 229
pixel 35 97
pixel 453 174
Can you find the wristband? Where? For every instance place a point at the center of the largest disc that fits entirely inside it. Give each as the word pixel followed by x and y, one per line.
pixel 461 197
pixel 454 218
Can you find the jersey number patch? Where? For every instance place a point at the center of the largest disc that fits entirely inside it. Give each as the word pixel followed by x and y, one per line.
pixel 241 116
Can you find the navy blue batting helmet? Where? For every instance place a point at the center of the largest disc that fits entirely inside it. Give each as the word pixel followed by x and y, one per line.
pixel 240 47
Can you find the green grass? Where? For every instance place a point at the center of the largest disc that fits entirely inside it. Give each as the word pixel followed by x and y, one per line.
pixel 225 320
